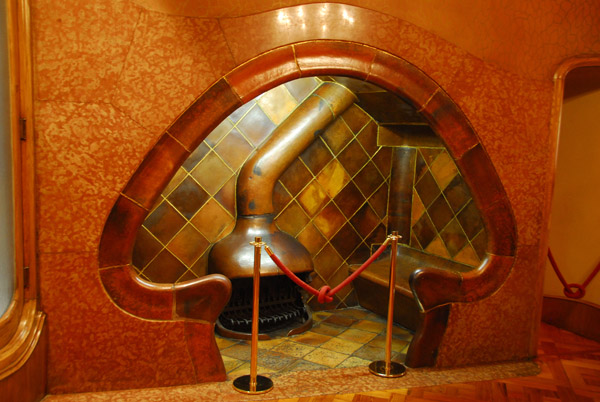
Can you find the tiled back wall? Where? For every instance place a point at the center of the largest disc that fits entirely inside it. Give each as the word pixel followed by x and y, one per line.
pixel 333 198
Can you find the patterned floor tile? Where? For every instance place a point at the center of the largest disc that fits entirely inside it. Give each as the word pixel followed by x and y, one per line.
pixel 326 357
pixel 341 346
pixel 357 335
pixel 294 349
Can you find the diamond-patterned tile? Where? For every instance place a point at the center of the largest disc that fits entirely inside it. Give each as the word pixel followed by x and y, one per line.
pixel 353 157
pixel 479 243
pixel 277 103
pixel 429 154
pixel 333 178
pixel 179 176
pixel 241 111
pixel 212 173
pixel 443 169
pixel 302 87
pixel 437 247
pixel 211 220
pixel 378 201
pixel 216 135
pixel 316 156
pixel 292 219
pixel 440 213
pixel 165 268
pixel 311 238
pixel 226 196
pixel 453 237
pixel 188 197
pixel 146 247
pixel 383 160
pixel 417 209
pixel 420 167
pixel 328 260
pixel 368 138
pixel 281 197
pixel 368 179
pixel 365 220
pixel 329 220
pixel 349 199
pixel 313 198
pixel 196 156
pixel 337 135
pixel 295 177
pixel 164 222
pixel 234 149
pixel 457 193
pixel 427 189
pixel 256 126
pixel 424 230
pixel 355 118
pixel 470 219
pixel 345 240
pixel 188 245
pixel 468 256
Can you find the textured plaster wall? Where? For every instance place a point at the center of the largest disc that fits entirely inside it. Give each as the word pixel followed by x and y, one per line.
pixel 110 76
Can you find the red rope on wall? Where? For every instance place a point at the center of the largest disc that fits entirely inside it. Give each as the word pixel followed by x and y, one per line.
pixel 325 294
pixel 568 287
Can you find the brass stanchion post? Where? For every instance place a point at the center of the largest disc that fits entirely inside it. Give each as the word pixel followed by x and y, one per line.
pixel 254 384
pixel 388 368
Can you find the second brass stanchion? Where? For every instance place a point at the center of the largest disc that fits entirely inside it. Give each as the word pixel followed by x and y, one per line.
pixel 388 368
pixel 253 383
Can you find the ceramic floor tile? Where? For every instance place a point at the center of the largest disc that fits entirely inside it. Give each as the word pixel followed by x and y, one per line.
pixel 244 369
pixel 223 343
pixel 354 313
pixel 326 357
pixel 340 320
pixel 341 346
pixel 240 351
pixel 379 342
pixel 311 338
pixel 270 343
pixel 357 335
pixel 231 363
pixel 354 361
pixel 330 330
pixel 294 349
pixel 370 353
pixel 371 326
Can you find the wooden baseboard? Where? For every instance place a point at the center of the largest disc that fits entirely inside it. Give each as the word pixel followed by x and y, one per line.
pixel 579 317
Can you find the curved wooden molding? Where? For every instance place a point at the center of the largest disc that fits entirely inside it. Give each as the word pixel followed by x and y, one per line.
pixel 432 288
pixel 24 340
pixel 573 315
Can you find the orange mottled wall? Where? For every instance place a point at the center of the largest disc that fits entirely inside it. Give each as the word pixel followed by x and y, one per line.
pixel 111 75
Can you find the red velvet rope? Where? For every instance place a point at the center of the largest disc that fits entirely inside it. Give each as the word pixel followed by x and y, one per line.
pixel 568 287
pixel 325 294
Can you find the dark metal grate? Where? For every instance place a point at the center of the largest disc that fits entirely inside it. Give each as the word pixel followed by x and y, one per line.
pixel 280 305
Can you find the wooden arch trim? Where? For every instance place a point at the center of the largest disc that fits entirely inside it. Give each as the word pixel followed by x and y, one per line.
pixel 434 289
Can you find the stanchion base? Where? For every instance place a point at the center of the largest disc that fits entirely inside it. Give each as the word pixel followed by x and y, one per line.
pixel 263 385
pixel 395 369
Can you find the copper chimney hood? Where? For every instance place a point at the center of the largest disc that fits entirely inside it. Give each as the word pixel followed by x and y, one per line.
pixel 233 256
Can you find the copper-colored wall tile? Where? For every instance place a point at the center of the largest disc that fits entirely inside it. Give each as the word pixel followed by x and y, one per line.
pixel 256 126
pixel 212 173
pixel 188 197
pixel 165 268
pixel 349 199
pixel 234 149
pixel 211 220
pixel 316 156
pixel 333 178
pixel 146 247
pixel 302 87
pixel 355 118
pixel 337 135
pixel 164 222
pixel 188 245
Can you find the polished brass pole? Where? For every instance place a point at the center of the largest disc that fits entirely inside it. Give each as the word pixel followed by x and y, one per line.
pixel 253 383
pixel 388 368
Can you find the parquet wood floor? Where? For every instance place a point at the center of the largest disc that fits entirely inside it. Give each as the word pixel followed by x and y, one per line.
pixel 570 372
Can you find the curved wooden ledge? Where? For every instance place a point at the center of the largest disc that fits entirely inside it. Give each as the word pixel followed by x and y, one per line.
pixel 433 289
pixel 199 299
pixel 24 340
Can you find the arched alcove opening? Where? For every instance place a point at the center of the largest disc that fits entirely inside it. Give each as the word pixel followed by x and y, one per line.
pixel 434 289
